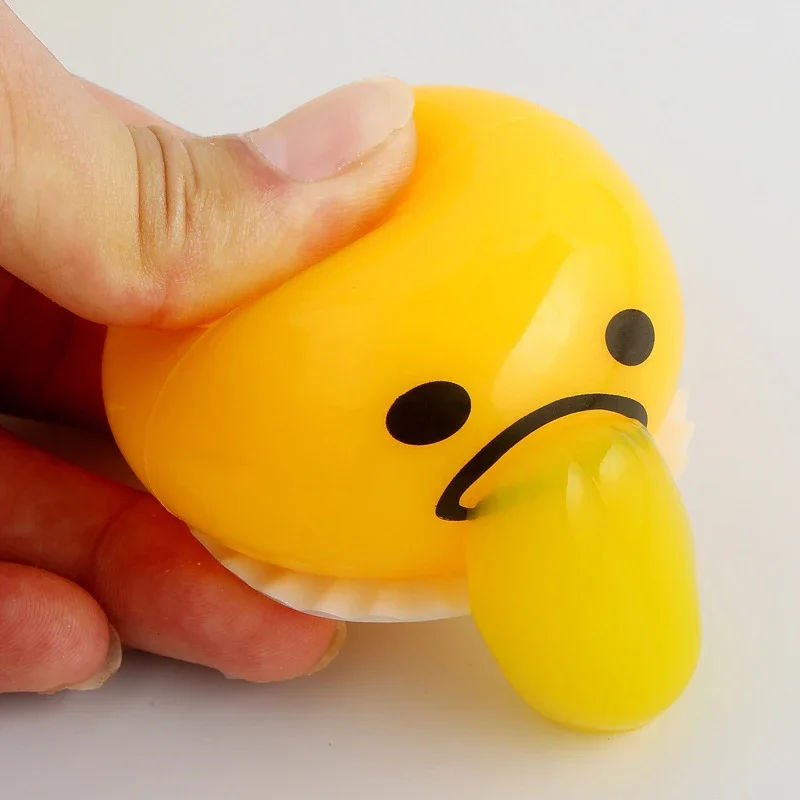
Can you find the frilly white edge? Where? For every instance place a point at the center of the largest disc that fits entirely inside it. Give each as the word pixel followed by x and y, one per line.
pixel 402 600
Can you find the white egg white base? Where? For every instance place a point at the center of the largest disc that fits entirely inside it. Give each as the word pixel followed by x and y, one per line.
pixel 413 600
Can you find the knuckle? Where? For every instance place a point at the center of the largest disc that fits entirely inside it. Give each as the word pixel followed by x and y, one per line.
pixel 197 210
pixel 168 200
pixel 110 537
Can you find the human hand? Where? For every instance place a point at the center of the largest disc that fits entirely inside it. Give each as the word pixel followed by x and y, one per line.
pixel 108 215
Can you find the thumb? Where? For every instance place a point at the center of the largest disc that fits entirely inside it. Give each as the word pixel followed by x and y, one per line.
pixel 145 226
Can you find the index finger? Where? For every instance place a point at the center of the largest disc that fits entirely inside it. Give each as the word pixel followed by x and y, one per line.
pixel 159 587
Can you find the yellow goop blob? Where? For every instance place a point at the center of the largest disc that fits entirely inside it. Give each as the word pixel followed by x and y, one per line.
pixel 581 578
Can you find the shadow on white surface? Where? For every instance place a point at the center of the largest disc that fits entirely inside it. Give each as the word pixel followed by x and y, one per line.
pixel 406 710
pixel 415 710
pixel 698 100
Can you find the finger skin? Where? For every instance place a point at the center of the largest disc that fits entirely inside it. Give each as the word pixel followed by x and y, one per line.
pixel 49 358
pixel 159 587
pixel 164 592
pixel 127 111
pixel 137 225
pixel 169 596
pixel 52 633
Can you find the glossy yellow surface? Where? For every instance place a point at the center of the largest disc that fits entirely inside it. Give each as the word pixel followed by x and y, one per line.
pixel 582 578
pixel 515 244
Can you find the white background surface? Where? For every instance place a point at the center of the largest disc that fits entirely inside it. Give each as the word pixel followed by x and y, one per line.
pixel 698 99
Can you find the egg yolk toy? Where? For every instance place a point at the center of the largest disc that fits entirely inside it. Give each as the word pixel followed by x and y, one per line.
pixel 458 413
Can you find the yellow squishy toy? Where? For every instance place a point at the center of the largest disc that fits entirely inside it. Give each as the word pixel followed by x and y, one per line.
pixel 470 410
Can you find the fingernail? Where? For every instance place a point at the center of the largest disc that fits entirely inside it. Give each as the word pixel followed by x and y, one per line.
pixel 323 137
pixel 333 650
pixel 110 666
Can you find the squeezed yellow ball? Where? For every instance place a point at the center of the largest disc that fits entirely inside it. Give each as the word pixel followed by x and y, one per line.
pixel 346 424
pixel 581 578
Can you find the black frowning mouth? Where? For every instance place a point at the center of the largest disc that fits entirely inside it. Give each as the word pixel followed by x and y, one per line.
pixel 449 507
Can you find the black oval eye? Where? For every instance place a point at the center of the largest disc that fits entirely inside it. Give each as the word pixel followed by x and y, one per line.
pixel 429 413
pixel 630 337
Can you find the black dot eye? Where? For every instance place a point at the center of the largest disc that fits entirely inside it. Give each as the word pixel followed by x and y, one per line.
pixel 429 413
pixel 630 337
